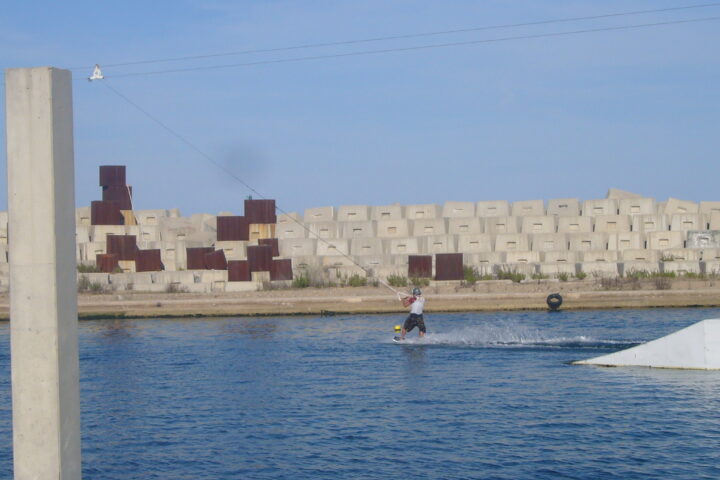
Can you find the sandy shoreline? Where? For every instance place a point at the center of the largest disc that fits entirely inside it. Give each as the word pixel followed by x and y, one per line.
pixel 484 296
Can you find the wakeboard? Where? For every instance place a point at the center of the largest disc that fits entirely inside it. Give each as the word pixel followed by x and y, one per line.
pixel 397 339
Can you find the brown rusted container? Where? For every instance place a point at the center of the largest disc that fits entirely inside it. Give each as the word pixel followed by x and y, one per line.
pixel 196 257
pixel 112 175
pixel 107 262
pixel 260 258
pixel 215 260
pixel 281 269
pixel 260 211
pixel 420 266
pixel 105 213
pixel 238 271
pixel 124 246
pixel 273 242
pixel 232 228
pixel 449 266
pixel 120 194
pixel 148 261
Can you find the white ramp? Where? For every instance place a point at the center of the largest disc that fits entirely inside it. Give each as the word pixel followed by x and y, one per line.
pixel 694 347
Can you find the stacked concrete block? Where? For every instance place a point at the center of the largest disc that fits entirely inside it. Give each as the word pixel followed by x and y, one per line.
pixel 319 214
pixel 581 242
pixel 604 206
pixel 681 267
pixel 405 246
pixel 679 254
pixel 82 216
pixel 429 226
pixel 664 240
pixel 594 256
pixel 616 193
pixel 364 229
pixel 99 233
pixel 709 208
pixel 291 230
pixel 418 212
pixel 387 212
pixel 353 213
pixel 458 209
pixel 650 223
pixel 546 242
pixel 640 255
pixel 151 217
pixel 464 226
pixel 366 246
pixel 538 224
pixel 630 267
pixel 599 269
pixel 522 257
pixel 559 256
pixel 82 235
pixel 636 206
pixel 709 254
pixel 675 206
pixel 485 260
pixel 233 249
pixel 297 247
pixel 564 207
pixel 499 225
pixel 498 208
pixel 703 239
pixel 626 240
pixel 333 247
pixel 554 270
pixel 684 222
pixel 476 243
pixel 508 242
pixel 323 230
pixel 575 224
pixel 393 228
pixel 289 218
pixel 528 208
pixel 612 223
pixel 714 223
pixel 439 244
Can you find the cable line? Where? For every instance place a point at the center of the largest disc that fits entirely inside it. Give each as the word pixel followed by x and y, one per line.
pixel 414 48
pixel 209 158
pixel 402 37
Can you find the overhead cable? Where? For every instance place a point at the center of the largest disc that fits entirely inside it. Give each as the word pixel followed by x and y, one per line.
pixel 414 48
pixel 403 36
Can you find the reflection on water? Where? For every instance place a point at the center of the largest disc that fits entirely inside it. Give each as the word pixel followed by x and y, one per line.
pixel 415 358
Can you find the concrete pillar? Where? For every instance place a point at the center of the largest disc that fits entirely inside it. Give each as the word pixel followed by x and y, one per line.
pixel 43 294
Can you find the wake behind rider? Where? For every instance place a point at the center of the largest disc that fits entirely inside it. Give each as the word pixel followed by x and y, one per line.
pixel 416 302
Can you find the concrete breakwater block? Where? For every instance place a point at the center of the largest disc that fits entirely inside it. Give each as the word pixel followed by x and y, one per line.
pixel 695 347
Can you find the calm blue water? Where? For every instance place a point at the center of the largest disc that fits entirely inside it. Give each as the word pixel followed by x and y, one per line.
pixel 489 396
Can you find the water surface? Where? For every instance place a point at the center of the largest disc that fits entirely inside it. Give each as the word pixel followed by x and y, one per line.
pixel 486 396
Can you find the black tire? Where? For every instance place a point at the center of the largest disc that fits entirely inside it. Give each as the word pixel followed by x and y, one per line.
pixel 554 300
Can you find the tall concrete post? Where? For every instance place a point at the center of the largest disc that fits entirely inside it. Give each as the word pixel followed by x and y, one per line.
pixel 43 291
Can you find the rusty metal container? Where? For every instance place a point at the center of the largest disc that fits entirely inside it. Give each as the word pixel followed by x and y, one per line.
pixel 124 246
pixel 120 194
pixel 239 271
pixel 273 242
pixel 106 262
pixel 260 258
pixel 281 269
pixel 260 211
pixel 259 231
pixel 215 260
pixel 112 175
pixel 232 228
pixel 449 266
pixel 105 213
pixel 420 266
pixel 196 257
pixel 148 261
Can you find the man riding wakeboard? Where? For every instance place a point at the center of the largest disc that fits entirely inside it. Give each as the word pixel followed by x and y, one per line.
pixel 416 302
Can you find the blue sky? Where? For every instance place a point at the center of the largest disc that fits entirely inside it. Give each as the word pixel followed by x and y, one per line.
pixel 526 119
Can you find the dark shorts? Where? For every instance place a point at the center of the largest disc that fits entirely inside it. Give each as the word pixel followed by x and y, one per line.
pixel 414 320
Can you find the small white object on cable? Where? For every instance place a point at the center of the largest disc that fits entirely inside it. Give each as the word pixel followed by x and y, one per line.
pixel 97 74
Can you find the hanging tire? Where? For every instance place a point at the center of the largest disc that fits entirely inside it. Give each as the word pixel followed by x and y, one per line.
pixel 554 300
